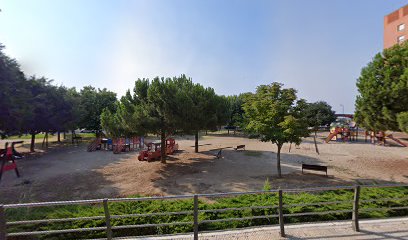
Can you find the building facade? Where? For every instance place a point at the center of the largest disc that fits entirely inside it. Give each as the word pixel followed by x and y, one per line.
pixel 396 27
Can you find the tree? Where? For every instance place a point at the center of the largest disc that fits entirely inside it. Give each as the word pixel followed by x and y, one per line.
pixel 92 103
pixel 222 110
pixel 318 114
pixel 273 113
pixel 42 108
pixel 13 95
pixel 383 88
pixel 198 108
pixel 402 119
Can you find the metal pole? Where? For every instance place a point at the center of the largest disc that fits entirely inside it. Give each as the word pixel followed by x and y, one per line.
pixel 355 223
pixel 107 219
pixel 195 217
pixel 280 209
pixel 2 223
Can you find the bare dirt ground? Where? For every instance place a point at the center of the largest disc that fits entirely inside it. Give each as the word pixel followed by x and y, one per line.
pixel 69 172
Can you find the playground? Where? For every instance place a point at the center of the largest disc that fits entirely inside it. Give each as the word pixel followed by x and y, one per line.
pixel 71 172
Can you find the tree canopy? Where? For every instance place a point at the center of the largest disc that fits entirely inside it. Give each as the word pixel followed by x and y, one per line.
pixel 383 89
pixel 276 115
pixel 33 104
pixel 165 106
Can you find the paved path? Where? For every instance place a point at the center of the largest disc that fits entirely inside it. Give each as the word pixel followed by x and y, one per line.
pixel 394 229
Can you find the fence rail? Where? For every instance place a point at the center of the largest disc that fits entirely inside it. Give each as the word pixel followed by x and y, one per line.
pixel 195 213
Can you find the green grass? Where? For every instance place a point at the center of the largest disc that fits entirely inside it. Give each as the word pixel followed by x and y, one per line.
pixel 252 153
pixel 187 205
pixel 37 136
pixel 41 136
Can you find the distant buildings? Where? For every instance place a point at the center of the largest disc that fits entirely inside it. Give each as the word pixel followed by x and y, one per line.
pixel 396 27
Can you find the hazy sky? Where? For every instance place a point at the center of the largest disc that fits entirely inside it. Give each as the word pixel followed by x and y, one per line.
pixel 315 46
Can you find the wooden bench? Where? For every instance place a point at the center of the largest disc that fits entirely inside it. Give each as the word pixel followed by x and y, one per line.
pixel 239 147
pixel 314 168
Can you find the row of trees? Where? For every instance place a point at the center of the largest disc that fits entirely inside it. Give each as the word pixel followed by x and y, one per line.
pixel 382 103
pixel 166 106
pixel 30 105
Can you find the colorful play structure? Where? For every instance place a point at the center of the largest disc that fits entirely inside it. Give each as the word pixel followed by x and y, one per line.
pixel 154 150
pixel 344 129
pixel 381 138
pixel 117 145
pixel 8 155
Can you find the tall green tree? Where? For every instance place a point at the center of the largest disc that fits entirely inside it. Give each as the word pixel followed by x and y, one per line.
pixel 198 106
pixel 273 113
pixel 13 95
pixel 318 114
pixel 383 89
pixel 222 110
pixel 92 102
pixel 402 119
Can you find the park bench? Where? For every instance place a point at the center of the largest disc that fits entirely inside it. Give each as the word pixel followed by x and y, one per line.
pixel 314 168
pixel 239 147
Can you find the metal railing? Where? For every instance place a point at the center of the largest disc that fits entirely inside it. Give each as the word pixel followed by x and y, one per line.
pixel 280 215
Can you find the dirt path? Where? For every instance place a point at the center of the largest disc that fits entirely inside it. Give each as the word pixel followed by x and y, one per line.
pixel 72 173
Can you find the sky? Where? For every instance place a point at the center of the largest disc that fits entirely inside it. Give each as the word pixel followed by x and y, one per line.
pixel 316 46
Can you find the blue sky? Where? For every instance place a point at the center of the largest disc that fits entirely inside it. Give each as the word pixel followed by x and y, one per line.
pixel 315 46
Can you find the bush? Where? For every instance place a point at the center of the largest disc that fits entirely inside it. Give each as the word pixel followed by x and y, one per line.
pixel 269 200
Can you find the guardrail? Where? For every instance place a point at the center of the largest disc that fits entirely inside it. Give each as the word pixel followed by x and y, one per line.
pixel 280 215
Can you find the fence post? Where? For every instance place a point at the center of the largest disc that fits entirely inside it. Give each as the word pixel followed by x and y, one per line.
pixel 195 217
pixel 280 209
pixel 2 223
pixel 355 223
pixel 107 219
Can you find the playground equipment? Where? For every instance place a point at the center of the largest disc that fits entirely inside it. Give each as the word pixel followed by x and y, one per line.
pixel 344 127
pixel 94 145
pixel 171 146
pixel 117 145
pixel 7 158
pixel 154 150
pixel 390 136
pixel 382 137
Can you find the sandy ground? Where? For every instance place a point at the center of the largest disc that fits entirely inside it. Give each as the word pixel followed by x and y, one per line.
pixel 69 172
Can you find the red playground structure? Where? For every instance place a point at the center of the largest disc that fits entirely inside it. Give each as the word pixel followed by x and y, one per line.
pixel 7 158
pixel 154 150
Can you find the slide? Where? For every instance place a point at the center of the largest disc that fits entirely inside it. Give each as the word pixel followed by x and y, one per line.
pixel 331 135
pixel 397 140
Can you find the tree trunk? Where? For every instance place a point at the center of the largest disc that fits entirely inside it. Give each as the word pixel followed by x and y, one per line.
pixel 196 142
pixel 59 136
pixel 315 143
pixel 63 135
pixel 32 142
pixel 46 139
pixel 43 142
pixel 278 164
pixel 290 146
pixel 72 136
pixel 228 131
pixel 163 146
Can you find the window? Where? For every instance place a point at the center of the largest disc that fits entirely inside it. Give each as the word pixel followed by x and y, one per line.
pixel 401 39
pixel 401 27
